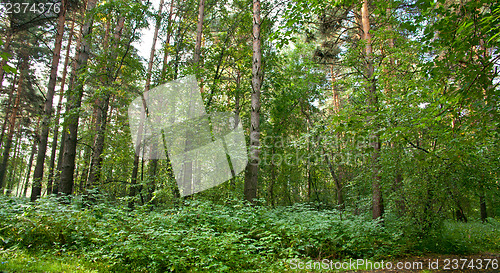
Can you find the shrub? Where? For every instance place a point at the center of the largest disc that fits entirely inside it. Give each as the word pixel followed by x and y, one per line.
pixel 201 235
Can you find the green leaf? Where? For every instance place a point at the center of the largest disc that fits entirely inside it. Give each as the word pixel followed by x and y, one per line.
pixel 9 69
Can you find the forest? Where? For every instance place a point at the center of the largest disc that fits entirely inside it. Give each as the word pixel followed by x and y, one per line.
pixel 369 131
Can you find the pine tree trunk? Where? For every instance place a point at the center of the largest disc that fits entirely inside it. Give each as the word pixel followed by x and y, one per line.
pixel 252 170
pixel 377 205
pixel 199 33
pixel 58 170
pixel 74 102
pixel 7 110
pixel 178 44
pixel 44 136
pixel 12 119
pixel 96 161
pixel 336 175
pixel 58 113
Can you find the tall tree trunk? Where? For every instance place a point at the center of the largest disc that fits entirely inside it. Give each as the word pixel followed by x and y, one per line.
pixel 252 170
pixel 137 149
pixel 389 92
pixel 167 42
pixel 98 147
pixel 74 102
pixel 58 170
pixel 335 92
pixel 178 43
pixel 377 205
pixel 154 162
pixel 236 115
pixel 309 182
pixel 199 33
pixel 153 48
pixel 50 179
pixel 188 164
pixel 87 157
pixel 270 191
pixel 12 119
pixel 10 184
pixel 338 182
pixel 163 76
pixel 7 110
pixel 102 111
pixel 57 176
pixel 42 145
pixel 337 178
pixel 30 164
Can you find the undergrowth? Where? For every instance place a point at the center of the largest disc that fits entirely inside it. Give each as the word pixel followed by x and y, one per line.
pixel 203 236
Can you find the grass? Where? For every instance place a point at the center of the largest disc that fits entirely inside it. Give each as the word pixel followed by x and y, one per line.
pixel 18 260
pixel 474 236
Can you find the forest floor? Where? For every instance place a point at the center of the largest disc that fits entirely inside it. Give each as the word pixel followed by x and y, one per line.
pixel 22 261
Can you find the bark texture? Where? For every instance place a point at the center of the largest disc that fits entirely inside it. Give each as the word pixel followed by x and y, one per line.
pixel 252 170
pixel 377 205
pixel 74 102
pixel 47 111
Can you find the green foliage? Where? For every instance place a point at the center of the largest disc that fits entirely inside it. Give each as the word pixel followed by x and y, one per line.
pixel 6 56
pixel 203 236
pixel 17 260
pixel 464 238
pixel 197 236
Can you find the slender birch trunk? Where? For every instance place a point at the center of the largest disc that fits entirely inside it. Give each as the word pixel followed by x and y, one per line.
pixel 252 171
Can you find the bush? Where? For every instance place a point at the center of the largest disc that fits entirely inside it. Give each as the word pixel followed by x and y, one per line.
pixel 198 235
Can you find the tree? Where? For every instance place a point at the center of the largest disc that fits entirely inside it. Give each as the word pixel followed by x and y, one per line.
pixel 50 177
pixel 154 161
pixel 42 145
pixel 24 58
pixel 199 32
pixel 103 107
pixel 252 170
pixel 73 105
pixel 377 205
